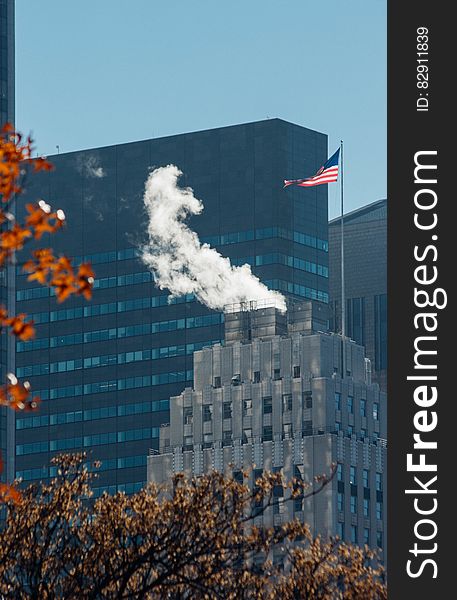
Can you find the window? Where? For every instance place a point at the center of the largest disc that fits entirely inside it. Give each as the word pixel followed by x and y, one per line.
pixel 350 430
pixel 380 313
pixel 340 530
pixel 366 478
pixel 337 401
pixel 356 319
pixel 379 482
pixel 375 411
pixel 350 404
pixel 278 495
pixel 238 477
pixel 298 489
pixel 287 428
pixel 247 436
pixel 32 448
pixel 286 403
pixel 366 536
pixel 217 382
pixel 188 415
pixel 226 438
pixel 353 475
pixel 366 507
pixel 339 472
pixel 236 379
pixel 340 501
pixel 267 405
pixel 296 372
pixel 354 534
pixel 29 422
pixel 307 428
pixel 247 408
pixel 257 503
pixel 307 400
pixel 353 505
pixel 256 376
pixel 207 412
pixel 379 511
pixel 267 433
pixel 277 374
pixel 363 434
pixel 227 410
pixel 362 406
pixel 379 539
pixel 337 426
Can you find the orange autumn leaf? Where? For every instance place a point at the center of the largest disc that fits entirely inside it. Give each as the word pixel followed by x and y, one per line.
pixel 14 238
pixel 85 280
pixel 39 275
pixel 8 493
pixel 14 151
pixel 41 164
pixel 63 264
pixel 17 395
pixel 42 220
pixel 24 330
pixel 40 268
pixel 21 328
pixel 58 273
pixel 63 285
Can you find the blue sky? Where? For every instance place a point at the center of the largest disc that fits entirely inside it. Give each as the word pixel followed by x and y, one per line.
pixel 99 72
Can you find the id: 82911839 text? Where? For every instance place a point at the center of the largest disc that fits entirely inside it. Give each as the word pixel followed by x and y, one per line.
pixel 422 69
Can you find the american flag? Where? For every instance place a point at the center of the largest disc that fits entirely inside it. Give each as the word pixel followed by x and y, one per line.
pixel 326 174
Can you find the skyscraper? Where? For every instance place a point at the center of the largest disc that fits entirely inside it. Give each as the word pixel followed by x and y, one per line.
pixel 7 81
pixel 105 370
pixel 6 61
pixel 274 399
pixel 365 251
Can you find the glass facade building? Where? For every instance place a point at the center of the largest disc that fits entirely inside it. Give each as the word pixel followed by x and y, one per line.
pixel 105 369
pixel 365 251
pixel 6 61
pixel 7 80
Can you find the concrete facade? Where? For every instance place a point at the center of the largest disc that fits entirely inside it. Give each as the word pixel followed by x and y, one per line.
pixel 278 401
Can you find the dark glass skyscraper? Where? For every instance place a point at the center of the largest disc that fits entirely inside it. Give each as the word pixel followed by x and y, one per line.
pixel 365 251
pixel 6 61
pixel 7 80
pixel 106 369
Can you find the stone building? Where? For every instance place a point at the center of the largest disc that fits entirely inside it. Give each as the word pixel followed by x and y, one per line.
pixel 272 398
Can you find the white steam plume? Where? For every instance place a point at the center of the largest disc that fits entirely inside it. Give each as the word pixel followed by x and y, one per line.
pixel 180 262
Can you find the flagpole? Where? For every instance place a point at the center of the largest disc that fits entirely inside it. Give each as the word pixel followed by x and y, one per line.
pixel 343 292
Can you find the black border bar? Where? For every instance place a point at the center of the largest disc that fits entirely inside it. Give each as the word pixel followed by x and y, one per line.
pixel 427 137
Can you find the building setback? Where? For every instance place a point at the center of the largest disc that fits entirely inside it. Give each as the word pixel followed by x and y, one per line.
pixel 365 251
pixel 273 398
pixel 105 370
